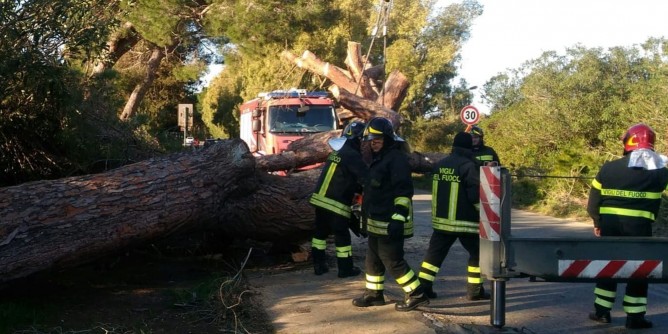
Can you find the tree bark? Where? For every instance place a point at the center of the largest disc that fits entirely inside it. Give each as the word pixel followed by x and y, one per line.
pixel 356 65
pixel 306 151
pixel 66 222
pixel 62 222
pixel 332 72
pixel 394 92
pixel 120 43
pixel 157 54
pixel 363 108
pixel 278 210
pixel 365 104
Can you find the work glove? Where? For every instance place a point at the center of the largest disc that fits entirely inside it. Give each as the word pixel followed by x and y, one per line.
pixel 395 229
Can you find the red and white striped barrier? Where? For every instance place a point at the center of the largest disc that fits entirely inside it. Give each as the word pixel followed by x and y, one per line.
pixel 610 268
pixel 490 203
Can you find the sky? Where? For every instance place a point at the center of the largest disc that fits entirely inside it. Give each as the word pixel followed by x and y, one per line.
pixel 510 32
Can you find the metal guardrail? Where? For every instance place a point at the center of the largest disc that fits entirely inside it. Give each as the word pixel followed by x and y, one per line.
pixel 502 256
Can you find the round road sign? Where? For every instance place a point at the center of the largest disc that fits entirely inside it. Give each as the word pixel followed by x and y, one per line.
pixel 470 115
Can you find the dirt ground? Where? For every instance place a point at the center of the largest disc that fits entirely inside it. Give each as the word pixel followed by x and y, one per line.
pixel 143 292
pixel 148 291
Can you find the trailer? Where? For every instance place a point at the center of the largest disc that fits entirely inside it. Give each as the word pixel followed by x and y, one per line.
pixel 503 256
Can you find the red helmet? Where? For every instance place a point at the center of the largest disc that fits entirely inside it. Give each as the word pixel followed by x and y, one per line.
pixel 639 136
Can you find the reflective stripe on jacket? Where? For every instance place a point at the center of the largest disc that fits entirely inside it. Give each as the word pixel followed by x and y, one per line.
pixel 456 193
pixel 630 194
pixel 341 177
pixel 485 154
pixel 388 191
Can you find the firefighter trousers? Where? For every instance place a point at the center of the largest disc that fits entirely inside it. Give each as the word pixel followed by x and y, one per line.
pixel 387 255
pixel 439 246
pixel 326 223
pixel 635 297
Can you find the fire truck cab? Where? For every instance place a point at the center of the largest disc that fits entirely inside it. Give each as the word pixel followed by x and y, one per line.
pixel 273 120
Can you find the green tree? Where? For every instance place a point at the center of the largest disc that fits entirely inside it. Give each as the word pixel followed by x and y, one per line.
pixel 426 49
pixel 41 92
pixel 225 96
pixel 259 31
pixel 566 115
pixel 422 46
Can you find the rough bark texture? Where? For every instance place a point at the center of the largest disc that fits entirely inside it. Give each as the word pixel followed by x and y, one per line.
pixel 157 54
pixel 62 222
pixel 306 151
pixel 394 91
pixel 312 63
pixel 120 43
pixel 364 108
pixel 65 222
pixel 356 64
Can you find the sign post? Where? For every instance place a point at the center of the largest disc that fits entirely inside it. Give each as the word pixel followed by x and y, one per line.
pixel 185 119
pixel 470 116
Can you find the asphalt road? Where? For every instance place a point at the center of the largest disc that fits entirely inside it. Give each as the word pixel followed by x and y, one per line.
pixel 300 302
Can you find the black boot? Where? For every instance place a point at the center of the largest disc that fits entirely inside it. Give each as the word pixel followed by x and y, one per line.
pixel 602 317
pixel 637 321
pixel 428 288
pixel 370 298
pixel 476 292
pixel 412 301
pixel 319 261
pixel 346 268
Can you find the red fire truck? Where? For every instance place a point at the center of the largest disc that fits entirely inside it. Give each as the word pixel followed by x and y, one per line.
pixel 272 120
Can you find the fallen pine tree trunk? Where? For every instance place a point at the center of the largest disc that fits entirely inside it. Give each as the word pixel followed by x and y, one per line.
pixel 65 222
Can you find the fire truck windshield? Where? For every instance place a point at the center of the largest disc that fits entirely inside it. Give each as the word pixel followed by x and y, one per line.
pixel 285 119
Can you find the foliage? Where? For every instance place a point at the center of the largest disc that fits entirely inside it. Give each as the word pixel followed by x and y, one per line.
pixel 434 135
pixel 422 46
pixel 40 95
pixel 221 97
pixel 255 25
pixel 563 115
pixel 426 49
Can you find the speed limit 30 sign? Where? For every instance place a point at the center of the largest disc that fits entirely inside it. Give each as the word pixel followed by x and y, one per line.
pixel 470 115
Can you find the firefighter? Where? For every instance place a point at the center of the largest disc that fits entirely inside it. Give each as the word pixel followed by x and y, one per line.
pixel 455 215
pixel 387 208
pixel 341 178
pixel 485 154
pixel 623 201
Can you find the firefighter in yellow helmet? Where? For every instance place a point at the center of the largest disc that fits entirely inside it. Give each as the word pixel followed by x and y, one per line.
pixel 387 207
pixel 341 178
pixel 484 154
pixel 623 201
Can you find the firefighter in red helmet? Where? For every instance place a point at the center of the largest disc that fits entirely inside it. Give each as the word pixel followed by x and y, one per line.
pixel 623 201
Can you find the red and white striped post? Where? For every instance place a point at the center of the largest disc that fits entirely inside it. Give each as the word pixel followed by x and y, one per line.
pixel 490 203
pixel 492 194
